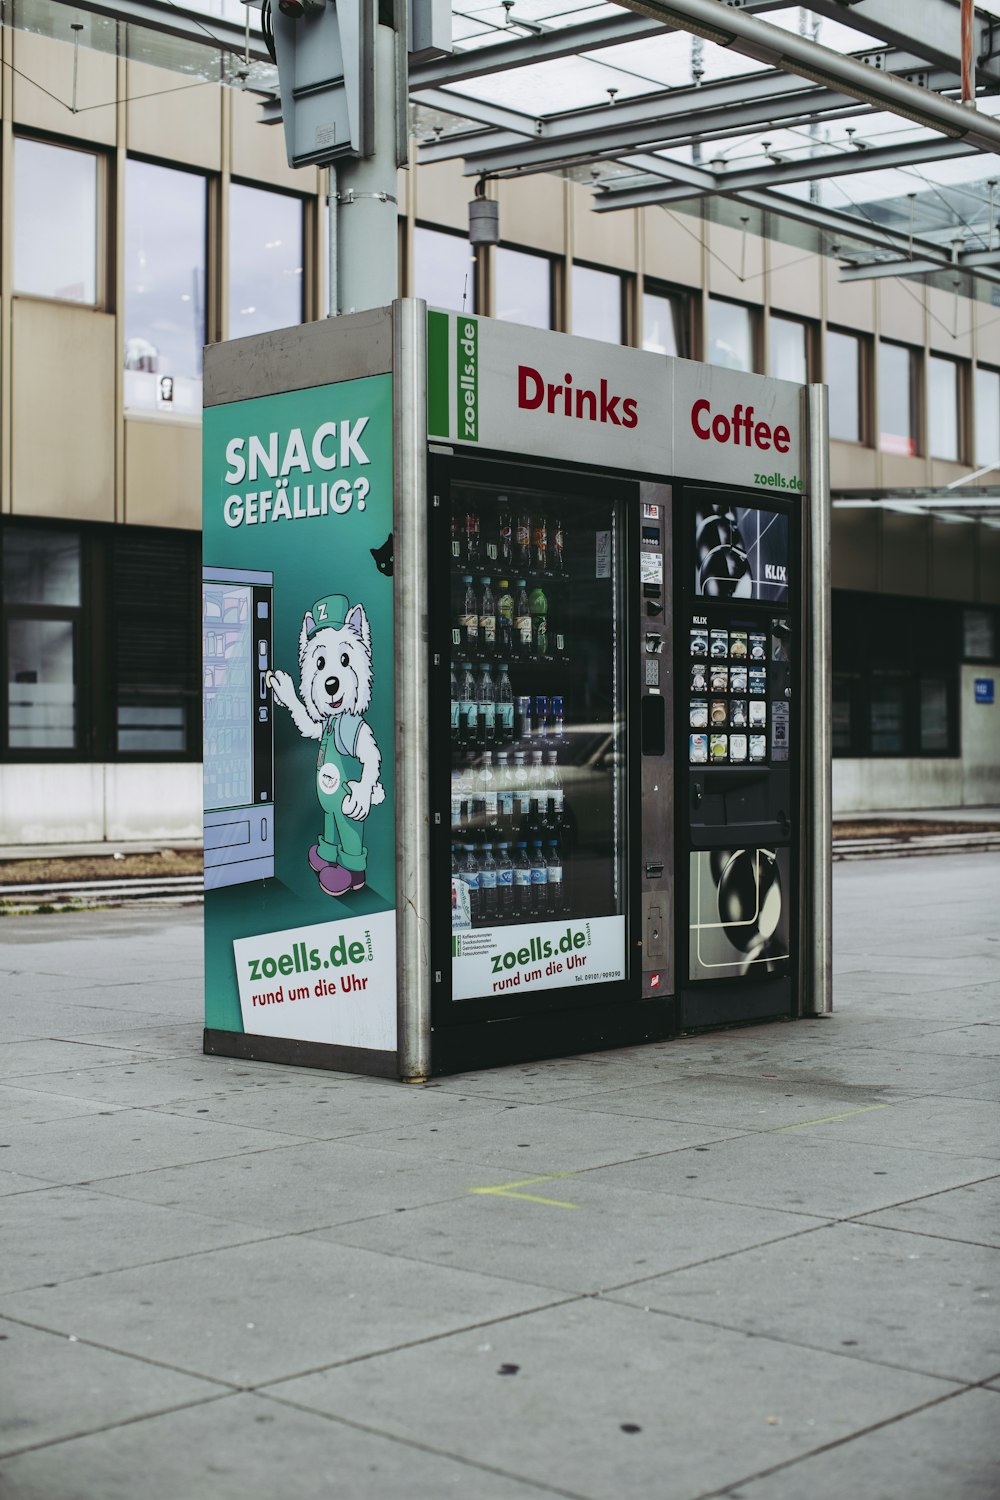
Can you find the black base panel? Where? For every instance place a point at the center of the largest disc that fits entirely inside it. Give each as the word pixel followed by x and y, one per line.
pixel 729 1006
pixel 295 1054
pixel 493 1044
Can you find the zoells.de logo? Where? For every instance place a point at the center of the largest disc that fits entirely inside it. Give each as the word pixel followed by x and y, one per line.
pixel 569 400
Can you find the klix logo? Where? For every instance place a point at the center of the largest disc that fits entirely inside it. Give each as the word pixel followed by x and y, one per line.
pixel 569 400
pixel 775 573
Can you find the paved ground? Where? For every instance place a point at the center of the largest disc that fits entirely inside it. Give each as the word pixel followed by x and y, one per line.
pixel 759 1265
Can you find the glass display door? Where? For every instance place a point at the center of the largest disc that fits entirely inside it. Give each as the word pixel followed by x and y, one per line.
pixel 528 623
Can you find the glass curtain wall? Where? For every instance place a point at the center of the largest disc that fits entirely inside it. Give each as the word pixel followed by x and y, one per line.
pixel 265 260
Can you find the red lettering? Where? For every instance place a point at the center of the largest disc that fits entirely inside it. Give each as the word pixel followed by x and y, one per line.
pixel 588 398
pixel 554 392
pixel 526 397
pixel 696 411
pixel 762 435
pixel 609 408
pixel 782 439
pixel 721 428
pixel 740 428
pixel 630 412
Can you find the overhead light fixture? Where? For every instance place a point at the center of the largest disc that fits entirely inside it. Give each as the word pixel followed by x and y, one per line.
pixel 864 96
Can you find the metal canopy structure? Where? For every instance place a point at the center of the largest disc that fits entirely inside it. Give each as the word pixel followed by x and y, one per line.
pixel 837 120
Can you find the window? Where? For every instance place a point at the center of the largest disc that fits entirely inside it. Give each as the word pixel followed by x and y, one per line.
pixel 443 270
pixel 731 331
pixel 895 675
pixel 897 398
pixel 788 349
pixel 99 634
pixel 944 393
pixel 666 323
pixel 987 388
pixel 844 377
pixel 55 221
pixel 598 304
pixel 265 260
pixel 165 218
pixel 41 596
pixel 522 287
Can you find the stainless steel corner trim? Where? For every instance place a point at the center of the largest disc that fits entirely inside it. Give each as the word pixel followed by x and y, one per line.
pixel 816 990
pixel 413 948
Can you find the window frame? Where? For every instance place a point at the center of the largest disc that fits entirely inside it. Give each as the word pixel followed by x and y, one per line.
pixel 477 260
pixel 809 328
pixel 104 300
pixel 682 300
pixel 975 448
pixel 755 315
pixel 95 679
pixel 550 261
pixel 623 278
pixel 864 343
pixel 918 386
pixel 304 202
pixel 961 368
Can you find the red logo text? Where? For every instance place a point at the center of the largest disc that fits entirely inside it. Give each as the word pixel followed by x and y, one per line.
pixel 740 428
pixel 568 400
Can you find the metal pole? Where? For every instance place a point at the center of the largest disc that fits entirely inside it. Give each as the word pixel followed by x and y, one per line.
pixel 331 229
pixel 413 944
pixel 367 231
pixel 816 970
pixel 968 92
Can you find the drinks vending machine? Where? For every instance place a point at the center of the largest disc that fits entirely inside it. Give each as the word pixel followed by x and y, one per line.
pixel 603 731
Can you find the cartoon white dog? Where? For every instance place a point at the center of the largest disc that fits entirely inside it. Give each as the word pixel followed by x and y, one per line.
pixel 335 684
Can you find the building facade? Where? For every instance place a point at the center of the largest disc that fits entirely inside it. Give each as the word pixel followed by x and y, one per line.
pixel 145 214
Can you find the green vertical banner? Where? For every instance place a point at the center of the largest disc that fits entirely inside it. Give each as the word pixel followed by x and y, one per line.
pixel 299 716
pixel 467 372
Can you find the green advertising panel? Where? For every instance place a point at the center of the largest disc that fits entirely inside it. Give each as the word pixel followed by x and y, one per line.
pixel 299 717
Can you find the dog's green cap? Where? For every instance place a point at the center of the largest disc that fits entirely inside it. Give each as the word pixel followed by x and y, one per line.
pixel 329 611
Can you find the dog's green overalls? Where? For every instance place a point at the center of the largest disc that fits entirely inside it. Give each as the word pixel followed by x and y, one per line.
pixel 343 839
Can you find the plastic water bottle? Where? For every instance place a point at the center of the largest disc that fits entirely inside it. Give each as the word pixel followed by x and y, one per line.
pixel 539 879
pixel 505 620
pixel 505 883
pixel 487 620
pixel 522 621
pixel 522 881
pixel 468 620
pixel 470 874
pixel 488 793
pixel 554 792
pixel 486 701
pixel 487 887
pixel 554 879
pixel 505 707
pixel 467 707
pixel 505 795
pixel 454 709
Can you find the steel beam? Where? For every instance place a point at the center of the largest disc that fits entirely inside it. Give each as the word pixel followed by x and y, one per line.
pixel 930 26
pixel 804 169
pixel 212 31
pixel 978 262
pixel 511 121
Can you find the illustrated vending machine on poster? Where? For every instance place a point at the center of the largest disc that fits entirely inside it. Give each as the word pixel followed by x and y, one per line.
pixel 602 736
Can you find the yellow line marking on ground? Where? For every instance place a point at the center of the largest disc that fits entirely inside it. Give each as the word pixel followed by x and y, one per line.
pixel 508 1190
pixel 826 1119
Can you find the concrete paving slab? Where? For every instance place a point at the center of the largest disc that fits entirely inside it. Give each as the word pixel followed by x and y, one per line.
pixel 968 1213
pixel 18 1182
pixel 152 1083
pixel 28 1018
pixel 710 1406
pixel 123 1140
pixel 981 1039
pixel 22 1106
pixel 964 1127
pixel 543 1137
pixel 571 1233
pixel 902 1299
pixel 301 1187
pixel 948 1449
pixel 64 1234
pixel 322 1110
pixel 44 1055
pixel 550 1082
pixel 801 1172
pixel 723 1099
pixel 63 1387
pixel 247 1447
pixel 264 1311
pixel 166 1038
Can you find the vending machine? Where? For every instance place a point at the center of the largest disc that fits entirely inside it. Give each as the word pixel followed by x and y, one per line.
pixel 550 695
pixel 237 735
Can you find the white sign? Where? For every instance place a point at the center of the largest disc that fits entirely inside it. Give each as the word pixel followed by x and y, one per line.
pixel 334 982
pixel 543 955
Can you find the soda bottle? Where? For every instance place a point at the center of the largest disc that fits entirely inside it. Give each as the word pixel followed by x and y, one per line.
pixel 505 796
pixel 468 620
pixel 491 548
pixel 487 620
pixel 522 881
pixel 539 879
pixel 470 874
pixel 554 879
pixel 456 543
pixel 472 551
pixel 454 709
pixel 505 883
pixel 506 532
pixel 557 543
pixel 486 701
pixel 467 709
pixel 522 620
pixel 540 551
pixel 539 607
pixel 505 620
pixel 522 540
pixel 488 793
pixel 505 707
pixel 487 887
